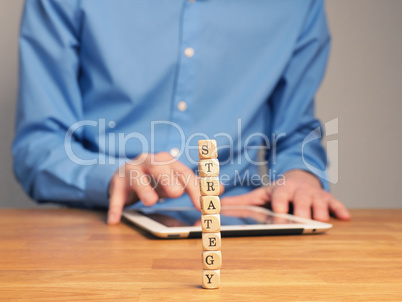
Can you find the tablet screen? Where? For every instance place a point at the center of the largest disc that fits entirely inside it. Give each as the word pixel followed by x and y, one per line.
pixel 173 218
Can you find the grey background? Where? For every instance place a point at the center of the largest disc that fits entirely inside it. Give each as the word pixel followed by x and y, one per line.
pixel 362 88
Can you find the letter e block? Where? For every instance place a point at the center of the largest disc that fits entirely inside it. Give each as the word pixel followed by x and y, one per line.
pixel 207 149
pixel 211 279
pixel 210 186
pixel 211 241
pixel 211 223
pixel 210 204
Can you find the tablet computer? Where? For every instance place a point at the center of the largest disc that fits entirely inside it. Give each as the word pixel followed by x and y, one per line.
pixel 235 221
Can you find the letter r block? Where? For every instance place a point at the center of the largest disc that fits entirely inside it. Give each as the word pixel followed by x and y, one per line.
pixel 211 279
pixel 212 259
pixel 211 223
pixel 207 149
pixel 210 204
pixel 210 186
pixel 208 167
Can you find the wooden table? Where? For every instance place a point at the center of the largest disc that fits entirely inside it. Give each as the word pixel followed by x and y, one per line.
pixel 72 255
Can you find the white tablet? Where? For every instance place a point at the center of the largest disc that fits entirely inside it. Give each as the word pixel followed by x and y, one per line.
pixel 235 221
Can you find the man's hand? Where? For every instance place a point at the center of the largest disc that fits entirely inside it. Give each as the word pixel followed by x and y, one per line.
pixel 147 178
pixel 302 189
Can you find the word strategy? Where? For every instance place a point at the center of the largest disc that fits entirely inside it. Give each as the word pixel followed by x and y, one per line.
pixel 208 169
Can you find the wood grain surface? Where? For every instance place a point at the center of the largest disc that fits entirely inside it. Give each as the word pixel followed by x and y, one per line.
pixel 72 255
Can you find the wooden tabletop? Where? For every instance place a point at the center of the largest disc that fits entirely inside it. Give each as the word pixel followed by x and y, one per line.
pixel 72 255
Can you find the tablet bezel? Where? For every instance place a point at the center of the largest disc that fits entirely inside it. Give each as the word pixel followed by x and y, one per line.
pixel 305 226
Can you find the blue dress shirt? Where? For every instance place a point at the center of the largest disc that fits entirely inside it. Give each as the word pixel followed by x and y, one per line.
pixel 130 76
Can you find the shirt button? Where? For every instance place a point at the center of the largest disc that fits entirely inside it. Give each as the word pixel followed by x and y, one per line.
pixel 182 106
pixel 174 152
pixel 189 52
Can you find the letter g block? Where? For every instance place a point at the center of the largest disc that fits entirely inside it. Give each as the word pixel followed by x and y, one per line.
pixel 212 260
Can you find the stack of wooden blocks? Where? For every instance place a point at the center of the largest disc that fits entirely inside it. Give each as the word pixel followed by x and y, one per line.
pixel 208 169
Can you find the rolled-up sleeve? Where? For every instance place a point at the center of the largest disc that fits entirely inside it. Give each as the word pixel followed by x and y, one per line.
pixel 298 143
pixel 49 103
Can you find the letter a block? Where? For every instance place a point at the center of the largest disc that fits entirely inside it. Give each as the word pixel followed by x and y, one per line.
pixel 210 204
pixel 207 149
pixel 211 279
pixel 212 260
pixel 211 241
pixel 211 223
pixel 208 167
pixel 210 186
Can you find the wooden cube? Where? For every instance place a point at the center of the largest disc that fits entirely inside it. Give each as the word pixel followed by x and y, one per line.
pixel 211 259
pixel 211 223
pixel 210 204
pixel 208 167
pixel 210 186
pixel 211 241
pixel 207 149
pixel 211 279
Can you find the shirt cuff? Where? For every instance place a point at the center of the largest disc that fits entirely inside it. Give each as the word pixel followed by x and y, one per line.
pixel 288 163
pixel 98 184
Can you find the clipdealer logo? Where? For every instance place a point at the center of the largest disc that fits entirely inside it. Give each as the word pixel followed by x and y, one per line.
pixel 112 147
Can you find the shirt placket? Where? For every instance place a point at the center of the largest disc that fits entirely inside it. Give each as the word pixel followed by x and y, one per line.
pixel 185 81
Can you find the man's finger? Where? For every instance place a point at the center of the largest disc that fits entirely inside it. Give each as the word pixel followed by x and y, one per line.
pixel 339 209
pixel 189 181
pixel 256 197
pixel 280 199
pixel 320 208
pixel 118 197
pixel 302 203
pixel 140 183
pixel 167 182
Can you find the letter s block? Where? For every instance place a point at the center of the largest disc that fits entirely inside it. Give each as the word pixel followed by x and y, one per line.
pixel 211 223
pixel 210 186
pixel 207 149
pixel 211 279
pixel 212 259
